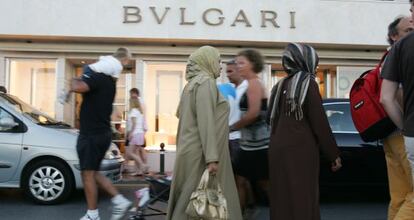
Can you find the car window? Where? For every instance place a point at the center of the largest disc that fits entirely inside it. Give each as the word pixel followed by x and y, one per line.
pixel 6 121
pixel 28 111
pixel 339 117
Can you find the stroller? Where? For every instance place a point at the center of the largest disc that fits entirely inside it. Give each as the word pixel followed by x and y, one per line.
pixel 158 190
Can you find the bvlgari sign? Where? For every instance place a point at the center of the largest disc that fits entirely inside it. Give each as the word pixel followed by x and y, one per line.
pixel 210 16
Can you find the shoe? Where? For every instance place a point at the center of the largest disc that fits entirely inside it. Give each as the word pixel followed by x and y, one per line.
pixel 87 217
pixel 120 210
pixel 142 196
pixel 146 169
pixel 136 174
pixel 249 213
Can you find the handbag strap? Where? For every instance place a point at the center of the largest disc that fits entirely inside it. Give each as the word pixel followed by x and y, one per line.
pixel 206 181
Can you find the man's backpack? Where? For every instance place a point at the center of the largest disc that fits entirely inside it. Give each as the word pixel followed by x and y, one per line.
pixel 368 114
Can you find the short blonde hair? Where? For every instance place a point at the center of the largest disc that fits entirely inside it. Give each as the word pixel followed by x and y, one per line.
pixel 122 53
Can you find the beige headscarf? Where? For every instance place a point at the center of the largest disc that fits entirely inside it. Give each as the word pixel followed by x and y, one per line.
pixel 205 61
pixel 202 65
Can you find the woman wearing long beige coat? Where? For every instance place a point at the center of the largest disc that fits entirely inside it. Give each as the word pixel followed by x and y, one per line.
pixel 202 138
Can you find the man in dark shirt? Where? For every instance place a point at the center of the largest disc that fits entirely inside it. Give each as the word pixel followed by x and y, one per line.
pixel 398 69
pixel 398 167
pixel 98 86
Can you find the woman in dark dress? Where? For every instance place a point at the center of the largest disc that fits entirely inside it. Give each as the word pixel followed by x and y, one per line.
pixel 299 131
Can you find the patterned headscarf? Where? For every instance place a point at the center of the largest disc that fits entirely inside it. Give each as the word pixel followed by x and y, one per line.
pixel 204 61
pixel 300 62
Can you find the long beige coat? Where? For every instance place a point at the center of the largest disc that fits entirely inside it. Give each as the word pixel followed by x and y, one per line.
pixel 202 138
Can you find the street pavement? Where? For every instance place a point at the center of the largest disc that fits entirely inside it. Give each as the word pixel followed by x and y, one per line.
pixel 336 204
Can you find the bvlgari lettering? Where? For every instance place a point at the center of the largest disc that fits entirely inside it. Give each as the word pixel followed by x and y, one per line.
pixel 242 18
pixel 210 17
pixel 157 17
pixel 220 18
pixel 183 21
pixel 271 19
pixel 132 14
pixel 292 19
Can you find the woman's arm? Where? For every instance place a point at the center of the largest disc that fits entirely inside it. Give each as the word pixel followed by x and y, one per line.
pixel 134 124
pixel 205 106
pixel 319 123
pixel 254 99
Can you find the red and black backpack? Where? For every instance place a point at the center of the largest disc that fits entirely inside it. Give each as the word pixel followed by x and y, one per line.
pixel 370 118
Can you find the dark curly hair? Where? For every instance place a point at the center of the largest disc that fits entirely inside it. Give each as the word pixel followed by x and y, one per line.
pixel 255 58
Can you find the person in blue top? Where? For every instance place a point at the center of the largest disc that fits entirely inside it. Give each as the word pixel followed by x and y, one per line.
pixel 227 90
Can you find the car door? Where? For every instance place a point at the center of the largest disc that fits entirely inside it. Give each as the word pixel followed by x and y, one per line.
pixel 363 163
pixel 10 145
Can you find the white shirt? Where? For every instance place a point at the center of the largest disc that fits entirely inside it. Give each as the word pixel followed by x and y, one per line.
pixel 139 121
pixel 107 65
pixel 235 113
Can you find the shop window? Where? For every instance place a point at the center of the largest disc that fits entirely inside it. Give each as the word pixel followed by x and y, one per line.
pixel 164 83
pixel 277 75
pixel 346 76
pixel 34 81
pixel 121 106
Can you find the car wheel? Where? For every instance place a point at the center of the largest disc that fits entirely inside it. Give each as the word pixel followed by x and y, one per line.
pixel 47 182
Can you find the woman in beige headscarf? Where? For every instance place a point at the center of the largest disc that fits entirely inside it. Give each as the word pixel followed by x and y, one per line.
pixel 202 138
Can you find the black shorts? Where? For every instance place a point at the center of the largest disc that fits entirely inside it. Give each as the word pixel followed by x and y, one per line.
pixel 91 150
pixel 234 148
pixel 252 165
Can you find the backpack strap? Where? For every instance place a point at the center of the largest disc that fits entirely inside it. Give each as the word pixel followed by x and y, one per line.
pixel 382 59
pixel 379 66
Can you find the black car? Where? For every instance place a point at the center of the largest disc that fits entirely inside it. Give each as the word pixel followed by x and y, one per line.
pixel 363 163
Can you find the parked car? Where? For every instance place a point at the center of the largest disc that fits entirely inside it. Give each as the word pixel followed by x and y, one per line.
pixel 38 153
pixel 363 163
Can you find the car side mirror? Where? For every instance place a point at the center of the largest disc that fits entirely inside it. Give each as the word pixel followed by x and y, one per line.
pixel 7 123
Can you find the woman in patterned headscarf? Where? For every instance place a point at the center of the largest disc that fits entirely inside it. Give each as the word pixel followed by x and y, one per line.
pixel 202 137
pixel 299 130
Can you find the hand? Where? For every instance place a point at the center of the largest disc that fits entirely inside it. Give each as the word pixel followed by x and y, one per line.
pixel 212 168
pixel 232 128
pixel 336 165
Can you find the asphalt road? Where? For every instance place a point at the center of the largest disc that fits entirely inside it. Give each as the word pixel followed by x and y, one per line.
pixel 336 204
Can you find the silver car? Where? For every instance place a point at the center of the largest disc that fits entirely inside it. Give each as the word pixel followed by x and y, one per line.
pixel 38 154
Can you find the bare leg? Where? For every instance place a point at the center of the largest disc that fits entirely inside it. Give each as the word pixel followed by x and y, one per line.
pixel 250 198
pixel 131 154
pixel 125 163
pixel 90 188
pixel 264 186
pixel 106 184
pixel 143 154
pixel 241 183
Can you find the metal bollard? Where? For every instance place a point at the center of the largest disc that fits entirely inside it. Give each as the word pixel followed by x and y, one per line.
pixel 162 159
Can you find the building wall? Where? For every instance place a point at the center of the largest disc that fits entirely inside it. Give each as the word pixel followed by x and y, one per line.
pixel 345 22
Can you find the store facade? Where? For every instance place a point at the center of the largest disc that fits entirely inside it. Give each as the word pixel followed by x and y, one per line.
pixel 43 44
